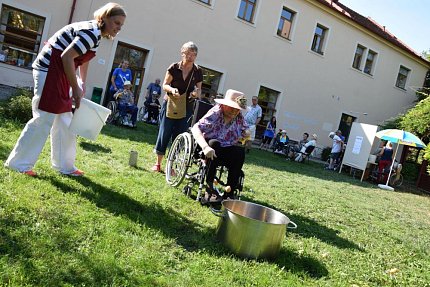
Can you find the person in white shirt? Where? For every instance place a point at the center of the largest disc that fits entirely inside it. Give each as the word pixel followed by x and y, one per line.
pixel 335 150
pixel 252 118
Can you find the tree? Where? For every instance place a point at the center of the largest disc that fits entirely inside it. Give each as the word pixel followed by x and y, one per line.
pixel 417 121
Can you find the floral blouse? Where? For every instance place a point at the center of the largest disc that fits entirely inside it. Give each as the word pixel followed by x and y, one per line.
pixel 213 127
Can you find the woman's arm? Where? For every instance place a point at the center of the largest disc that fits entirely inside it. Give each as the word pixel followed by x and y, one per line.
pixel 112 80
pixel 166 85
pixel 67 57
pixel 200 139
pixel 83 72
pixel 197 93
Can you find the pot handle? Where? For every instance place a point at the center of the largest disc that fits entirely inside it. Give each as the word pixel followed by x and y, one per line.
pixel 294 226
pixel 216 212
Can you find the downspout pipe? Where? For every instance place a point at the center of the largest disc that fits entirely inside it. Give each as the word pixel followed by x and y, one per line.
pixel 72 11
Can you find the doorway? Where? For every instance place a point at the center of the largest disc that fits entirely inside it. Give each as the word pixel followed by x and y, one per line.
pixel 267 101
pixel 136 57
pixel 345 125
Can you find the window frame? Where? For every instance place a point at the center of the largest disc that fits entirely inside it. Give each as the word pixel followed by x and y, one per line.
pixel 292 23
pixel 323 38
pixel 210 3
pixel 363 55
pixel 406 77
pixel 253 17
pixel 373 63
pixel 364 60
pixel 24 56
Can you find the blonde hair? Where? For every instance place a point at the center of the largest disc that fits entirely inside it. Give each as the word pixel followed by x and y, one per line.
pixel 108 10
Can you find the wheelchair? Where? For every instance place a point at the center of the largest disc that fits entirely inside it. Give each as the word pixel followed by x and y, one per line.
pixel 115 117
pixel 186 160
pixel 396 177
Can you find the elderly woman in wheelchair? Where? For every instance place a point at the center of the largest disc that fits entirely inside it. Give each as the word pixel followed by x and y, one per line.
pixel 213 148
pixel 123 110
pixel 218 133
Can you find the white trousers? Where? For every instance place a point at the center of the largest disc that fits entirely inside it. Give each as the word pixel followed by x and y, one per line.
pixel 252 129
pixel 35 133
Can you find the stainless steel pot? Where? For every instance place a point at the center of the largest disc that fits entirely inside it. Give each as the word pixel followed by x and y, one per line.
pixel 251 230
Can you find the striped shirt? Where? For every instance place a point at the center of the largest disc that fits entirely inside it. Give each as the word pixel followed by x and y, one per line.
pixel 83 36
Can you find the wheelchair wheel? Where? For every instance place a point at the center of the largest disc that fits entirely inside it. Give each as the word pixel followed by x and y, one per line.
pixel 396 182
pixel 112 107
pixel 178 159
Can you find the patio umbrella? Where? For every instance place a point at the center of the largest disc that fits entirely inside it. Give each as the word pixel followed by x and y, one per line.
pixel 399 137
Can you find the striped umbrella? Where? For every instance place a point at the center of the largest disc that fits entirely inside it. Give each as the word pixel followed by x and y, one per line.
pixel 399 137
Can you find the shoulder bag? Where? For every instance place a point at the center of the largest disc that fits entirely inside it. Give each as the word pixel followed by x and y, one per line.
pixel 177 107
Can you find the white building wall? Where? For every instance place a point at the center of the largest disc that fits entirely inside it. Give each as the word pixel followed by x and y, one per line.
pixel 314 89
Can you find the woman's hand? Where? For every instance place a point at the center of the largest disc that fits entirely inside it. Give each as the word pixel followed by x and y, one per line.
pixel 195 93
pixel 77 95
pixel 175 92
pixel 209 152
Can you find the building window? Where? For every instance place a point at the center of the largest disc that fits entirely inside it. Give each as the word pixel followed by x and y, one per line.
pixel 205 1
pixel 211 80
pixel 402 77
pixel 20 36
pixel 247 10
pixel 319 38
pixel 285 23
pixel 359 52
pixel 370 62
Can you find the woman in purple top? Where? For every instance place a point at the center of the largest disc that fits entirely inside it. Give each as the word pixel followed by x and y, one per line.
pixel 218 133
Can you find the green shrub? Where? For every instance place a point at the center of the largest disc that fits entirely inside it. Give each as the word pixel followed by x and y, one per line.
pixel 18 107
pixel 325 153
pixel 411 170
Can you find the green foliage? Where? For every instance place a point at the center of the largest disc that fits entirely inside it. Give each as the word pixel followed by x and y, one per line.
pixel 18 107
pixel 422 94
pixel 410 171
pixel 417 120
pixel 393 123
pixel 325 154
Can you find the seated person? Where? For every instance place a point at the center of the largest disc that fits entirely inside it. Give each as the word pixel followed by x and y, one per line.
pixel 385 160
pixel 296 148
pixel 302 154
pixel 378 150
pixel 281 142
pixel 153 106
pixel 218 133
pixel 125 99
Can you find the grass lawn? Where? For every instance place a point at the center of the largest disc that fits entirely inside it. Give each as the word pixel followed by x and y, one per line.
pixel 123 226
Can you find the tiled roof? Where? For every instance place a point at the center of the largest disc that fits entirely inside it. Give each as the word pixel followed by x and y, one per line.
pixel 370 25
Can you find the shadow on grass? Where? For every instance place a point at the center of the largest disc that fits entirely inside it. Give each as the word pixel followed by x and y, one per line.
pixel 20 252
pixel 187 233
pixel 309 228
pixel 143 133
pixel 94 147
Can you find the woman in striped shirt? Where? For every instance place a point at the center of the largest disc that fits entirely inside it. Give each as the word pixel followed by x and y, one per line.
pixel 55 69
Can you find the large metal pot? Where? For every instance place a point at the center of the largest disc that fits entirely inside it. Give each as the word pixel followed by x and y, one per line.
pixel 251 230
